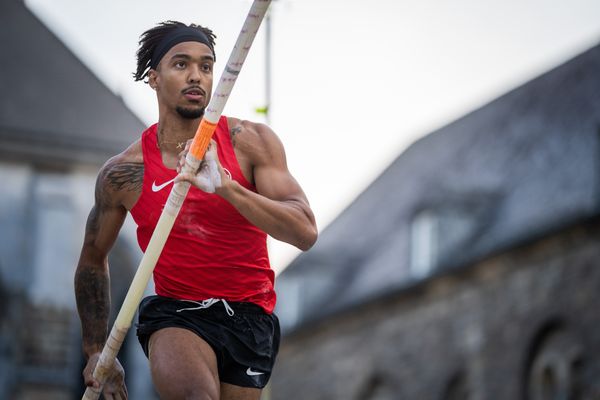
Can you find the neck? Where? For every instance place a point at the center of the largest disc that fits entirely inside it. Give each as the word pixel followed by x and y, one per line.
pixel 175 131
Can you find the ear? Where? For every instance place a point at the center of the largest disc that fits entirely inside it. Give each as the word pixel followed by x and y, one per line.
pixel 152 79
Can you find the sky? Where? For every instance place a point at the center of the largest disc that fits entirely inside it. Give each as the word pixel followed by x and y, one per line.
pixel 353 82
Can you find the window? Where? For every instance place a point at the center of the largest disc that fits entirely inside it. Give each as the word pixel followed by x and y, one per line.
pixel 556 366
pixel 424 243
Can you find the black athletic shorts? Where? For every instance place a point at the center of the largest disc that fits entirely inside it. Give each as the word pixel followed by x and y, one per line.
pixel 246 343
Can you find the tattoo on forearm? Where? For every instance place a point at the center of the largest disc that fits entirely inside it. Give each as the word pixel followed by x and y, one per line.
pixel 233 132
pixel 93 303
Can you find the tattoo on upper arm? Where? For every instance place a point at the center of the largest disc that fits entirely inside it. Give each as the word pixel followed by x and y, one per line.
pixel 118 177
pixel 233 132
pixel 126 176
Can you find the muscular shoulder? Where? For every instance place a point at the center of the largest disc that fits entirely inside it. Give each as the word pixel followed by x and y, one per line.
pixel 255 141
pixel 120 178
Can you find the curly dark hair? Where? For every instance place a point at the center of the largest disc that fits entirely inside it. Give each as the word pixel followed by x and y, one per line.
pixel 153 36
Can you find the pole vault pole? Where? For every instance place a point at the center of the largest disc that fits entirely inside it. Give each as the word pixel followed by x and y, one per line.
pixel 207 127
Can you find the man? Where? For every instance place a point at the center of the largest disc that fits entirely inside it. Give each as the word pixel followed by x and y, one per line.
pixel 210 332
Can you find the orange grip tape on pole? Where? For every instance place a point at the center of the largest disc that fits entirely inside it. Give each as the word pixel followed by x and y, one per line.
pixel 202 138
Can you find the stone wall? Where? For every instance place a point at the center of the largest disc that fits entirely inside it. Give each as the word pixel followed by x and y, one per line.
pixel 520 325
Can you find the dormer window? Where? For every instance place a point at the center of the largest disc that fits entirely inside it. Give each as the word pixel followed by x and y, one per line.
pixel 423 243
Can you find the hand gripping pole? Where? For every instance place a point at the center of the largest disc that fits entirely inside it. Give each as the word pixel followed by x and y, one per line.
pixel 199 145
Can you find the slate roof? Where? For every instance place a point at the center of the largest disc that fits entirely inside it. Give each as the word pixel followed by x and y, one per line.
pixel 52 107
pixel 514 170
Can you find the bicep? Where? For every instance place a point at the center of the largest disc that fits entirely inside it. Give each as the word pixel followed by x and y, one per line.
pixel 277 183
pixel 270 172
pixel 272 177
pixel 273 180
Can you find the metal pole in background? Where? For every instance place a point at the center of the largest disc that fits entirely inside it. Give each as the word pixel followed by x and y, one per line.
pixel 266 393
pixel 268 68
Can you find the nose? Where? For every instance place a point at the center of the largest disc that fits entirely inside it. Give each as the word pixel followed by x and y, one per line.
pixel 194 74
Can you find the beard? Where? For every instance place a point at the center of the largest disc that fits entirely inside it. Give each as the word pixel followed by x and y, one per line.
pixel 190 113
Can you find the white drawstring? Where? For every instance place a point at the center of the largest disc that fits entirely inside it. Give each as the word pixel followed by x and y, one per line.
pixel 207 303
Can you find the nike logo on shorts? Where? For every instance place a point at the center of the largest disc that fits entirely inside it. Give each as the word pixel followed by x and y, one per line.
pixel 157 188
pixel 249 372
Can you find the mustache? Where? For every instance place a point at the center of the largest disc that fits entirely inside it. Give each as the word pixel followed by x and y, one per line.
pixel 194 88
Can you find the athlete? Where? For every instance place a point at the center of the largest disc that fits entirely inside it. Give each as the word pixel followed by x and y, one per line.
pixel 209 332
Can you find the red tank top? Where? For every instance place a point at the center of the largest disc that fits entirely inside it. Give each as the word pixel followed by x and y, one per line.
pixel 212 250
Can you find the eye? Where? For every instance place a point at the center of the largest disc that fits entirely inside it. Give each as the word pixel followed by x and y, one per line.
pixel 180 64
pixel 207 67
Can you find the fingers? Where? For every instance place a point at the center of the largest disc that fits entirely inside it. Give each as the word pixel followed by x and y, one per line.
pixel 115 388
pixel 214 174
pixel 208 176
pixel 202 181
pixel 89 380
pixel 122 395
pixel 210 154
pixel 116 394
pixel 181 161
pixel 184 178
pixel 92 383
pixel 211 151
pixel 88 371
pixel 183 154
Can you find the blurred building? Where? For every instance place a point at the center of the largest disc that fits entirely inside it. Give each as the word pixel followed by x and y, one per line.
pixel 470 269
pixel 58 124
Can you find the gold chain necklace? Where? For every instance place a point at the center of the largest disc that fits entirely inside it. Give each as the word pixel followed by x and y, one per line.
pixel 180 145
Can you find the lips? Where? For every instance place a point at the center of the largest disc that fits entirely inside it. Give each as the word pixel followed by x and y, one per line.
pixel 194 93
